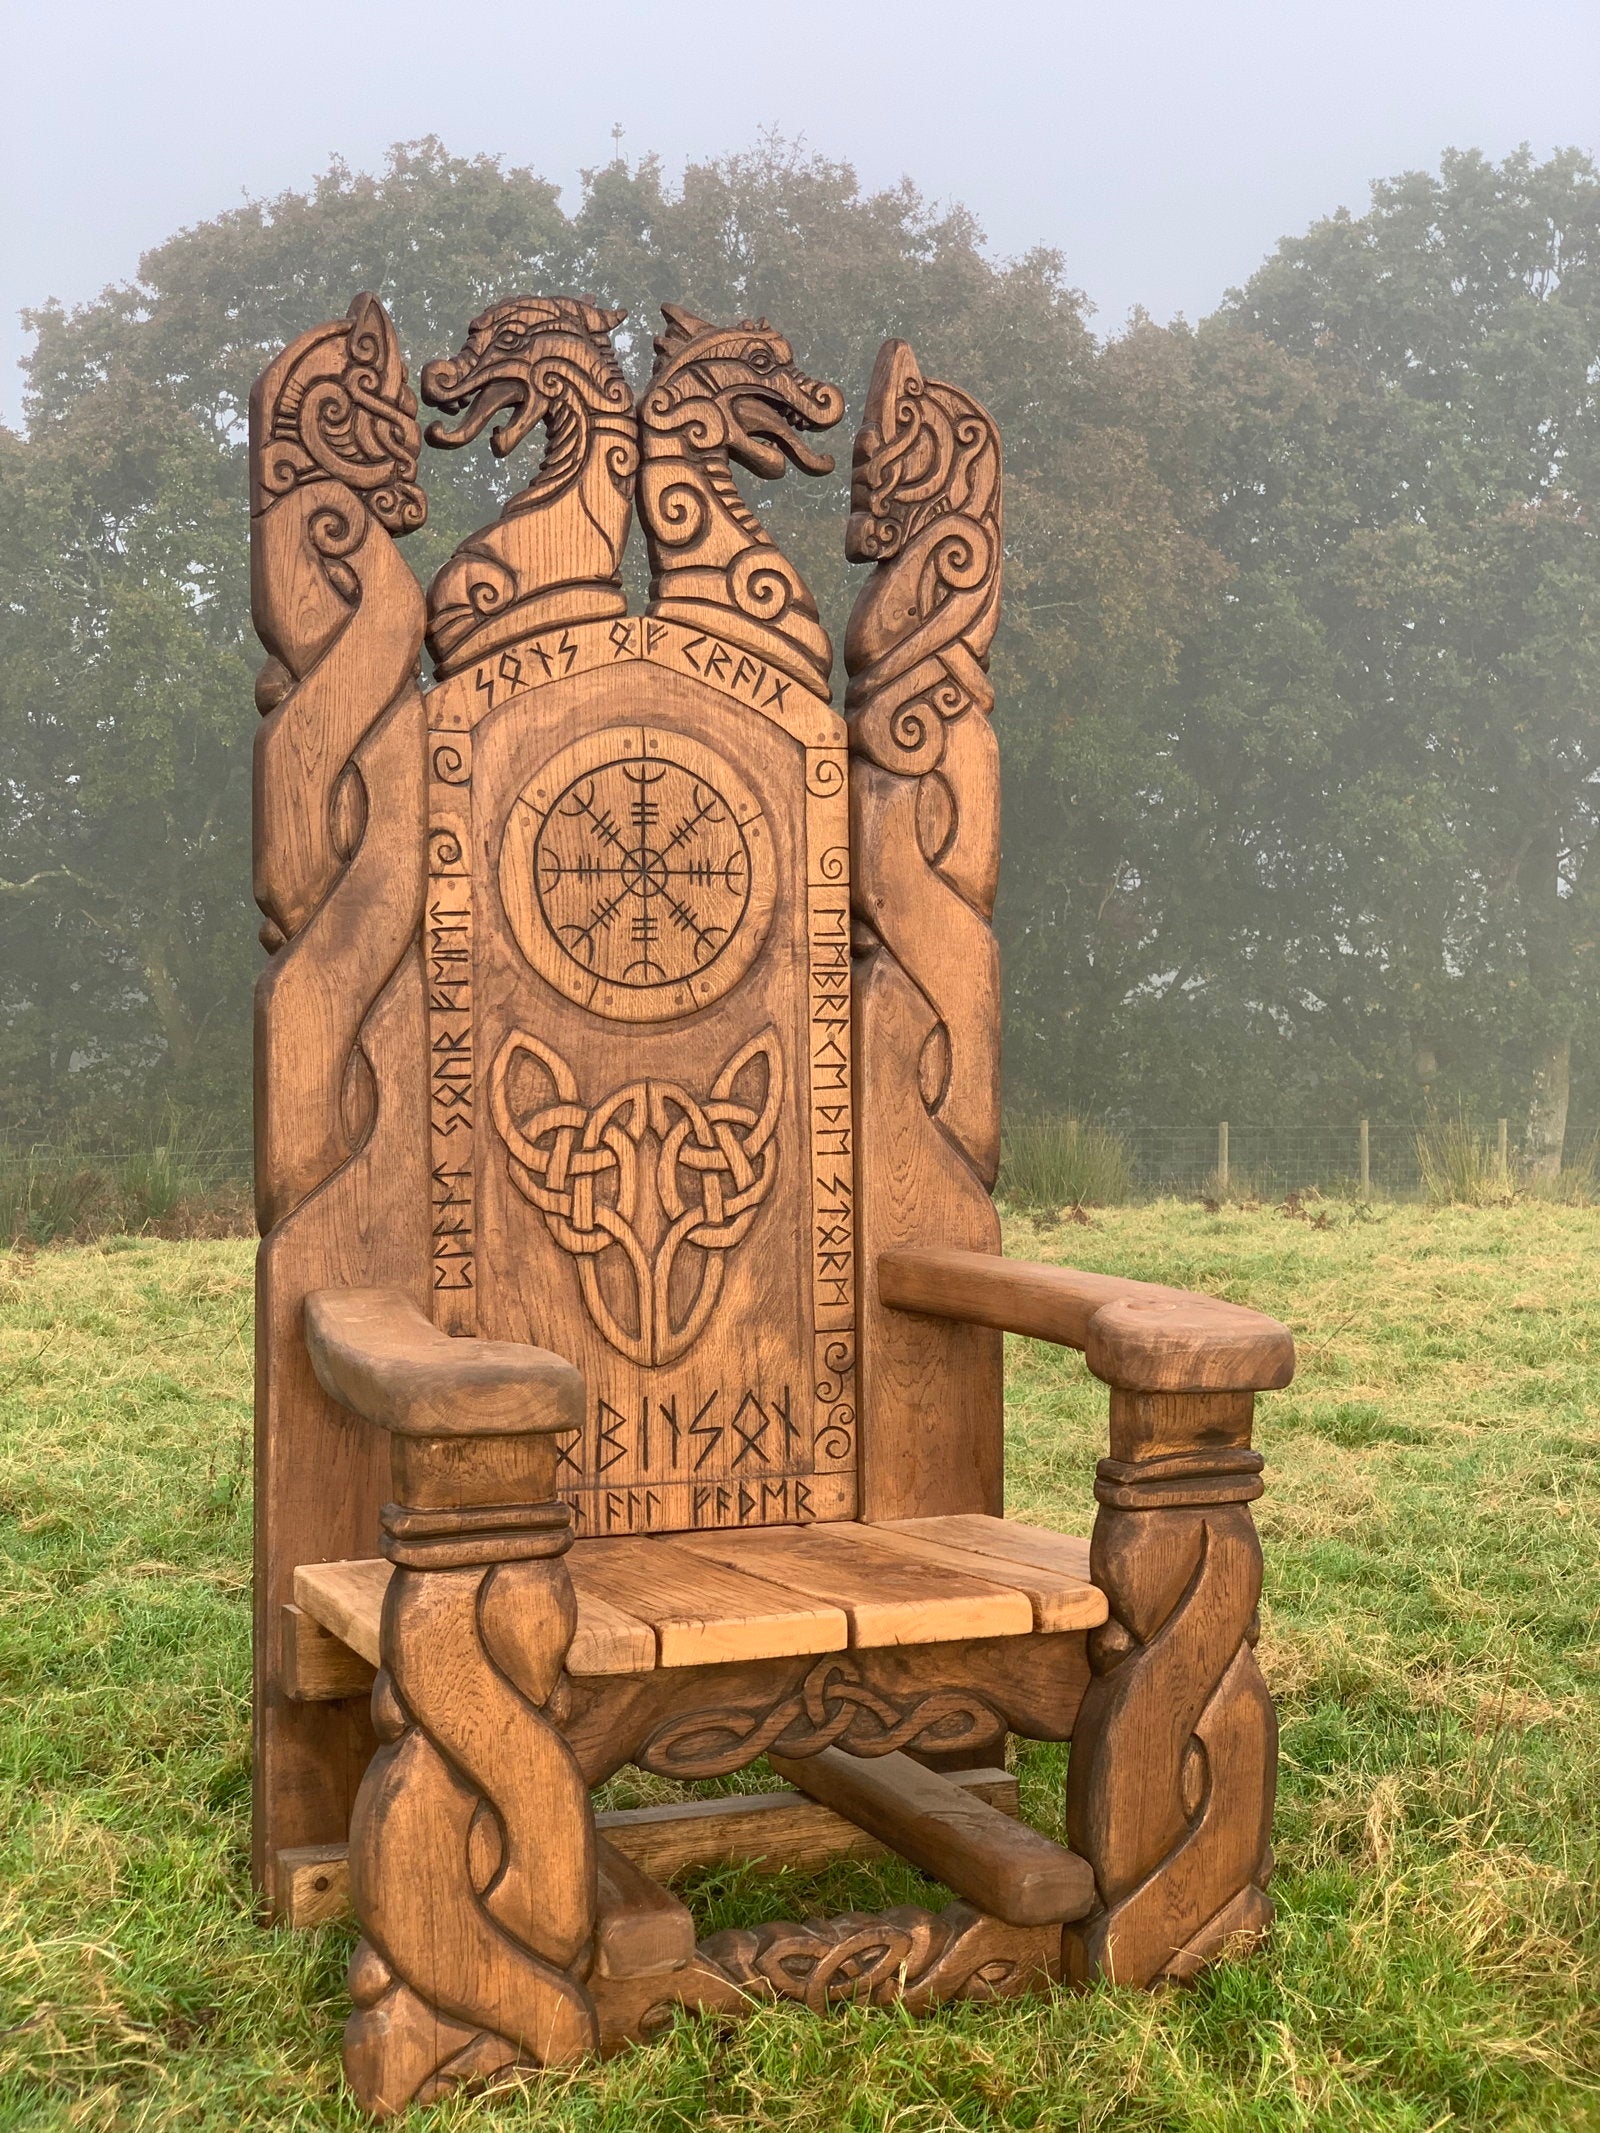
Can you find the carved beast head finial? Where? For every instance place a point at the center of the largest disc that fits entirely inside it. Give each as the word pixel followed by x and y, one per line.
pixel 737 389
pixel 523 358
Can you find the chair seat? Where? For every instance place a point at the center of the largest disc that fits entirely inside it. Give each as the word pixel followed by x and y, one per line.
pixel 771 1592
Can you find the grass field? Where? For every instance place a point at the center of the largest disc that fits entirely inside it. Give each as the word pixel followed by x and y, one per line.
pixel 1433 1637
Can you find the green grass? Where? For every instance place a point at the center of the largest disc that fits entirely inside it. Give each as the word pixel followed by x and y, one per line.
pixel 1432 1633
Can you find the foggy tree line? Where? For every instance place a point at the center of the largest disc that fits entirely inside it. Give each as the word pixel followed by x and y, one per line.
pixel 1298 686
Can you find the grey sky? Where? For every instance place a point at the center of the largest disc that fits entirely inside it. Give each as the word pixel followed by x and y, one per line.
pixel 1164 147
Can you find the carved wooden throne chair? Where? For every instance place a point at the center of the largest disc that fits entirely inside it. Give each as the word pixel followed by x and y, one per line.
pixel 630 1303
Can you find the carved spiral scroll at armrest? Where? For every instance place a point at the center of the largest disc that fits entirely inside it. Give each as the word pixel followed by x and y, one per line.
pixel 472 1863
pixel 1174 1752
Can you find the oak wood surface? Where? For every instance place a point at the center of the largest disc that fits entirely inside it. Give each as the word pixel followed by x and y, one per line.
pixel 378 1355
pixel 1011 1870
pixel 1004 1539
pixel 1134 1334
pixel 770 1829
pixel 699 1610
pixel 319 1665
pixel 341 1151
pixel 1060 1599
pixel 638 1925
pixel 925 850
pixel 886 1595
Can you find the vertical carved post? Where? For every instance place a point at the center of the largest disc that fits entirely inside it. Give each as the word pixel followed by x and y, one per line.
pixel 1174 1754
pixel 341 1179
pixel 472 1847
pixel 925 856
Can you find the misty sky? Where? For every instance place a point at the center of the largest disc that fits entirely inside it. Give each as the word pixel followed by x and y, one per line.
pixel 1162 145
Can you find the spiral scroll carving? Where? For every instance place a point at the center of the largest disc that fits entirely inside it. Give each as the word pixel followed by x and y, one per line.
pixel 338 790
pixel 471 1848
pixel 925 852
pixel 720 394
pixel 1171 1782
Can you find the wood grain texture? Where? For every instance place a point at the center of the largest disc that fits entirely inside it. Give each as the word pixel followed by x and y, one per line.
pixel 378 1355
pixel 699 1611
pixel 925 851
pixel 347 1600
pixel 1174 1757
pixel 1005 1540
pixel 774 1830
pixel 719 394
pixel 638 1925
pixel 317 1666
pixel 340 1148
pixel 1011 1870
pixel 886 1595
pixel 1059 1599
pixel 554 555
pixel 1134 1334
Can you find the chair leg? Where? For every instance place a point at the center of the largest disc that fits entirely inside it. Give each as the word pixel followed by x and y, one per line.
pixel 472 1846
pixel 1174 1755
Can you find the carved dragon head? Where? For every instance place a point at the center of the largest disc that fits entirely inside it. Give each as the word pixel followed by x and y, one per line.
pixel 528 358
pixel 738 390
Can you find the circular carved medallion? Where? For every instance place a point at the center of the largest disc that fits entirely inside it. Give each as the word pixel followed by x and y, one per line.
pixel 636 871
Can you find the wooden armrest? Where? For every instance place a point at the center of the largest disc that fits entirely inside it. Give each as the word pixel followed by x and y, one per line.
pixel 374 1352
pixel 1136 1335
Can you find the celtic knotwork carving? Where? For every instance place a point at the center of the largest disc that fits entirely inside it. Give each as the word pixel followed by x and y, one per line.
pixel 1171 1782
pixel 721 393
pixel 555 554
pixel 631 1184
pixel 338 408
pixel 903 1957
pixel 833 1707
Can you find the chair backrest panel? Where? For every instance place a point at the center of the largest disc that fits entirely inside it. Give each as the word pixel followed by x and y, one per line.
pixel 638 984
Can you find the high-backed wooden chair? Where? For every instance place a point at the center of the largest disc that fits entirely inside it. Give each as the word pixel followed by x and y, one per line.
pixel 630 1294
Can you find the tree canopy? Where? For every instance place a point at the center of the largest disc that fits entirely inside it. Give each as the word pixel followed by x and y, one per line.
pixel 1295 685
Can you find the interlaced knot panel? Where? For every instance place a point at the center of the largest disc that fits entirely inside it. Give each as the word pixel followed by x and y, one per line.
pixel 650 1172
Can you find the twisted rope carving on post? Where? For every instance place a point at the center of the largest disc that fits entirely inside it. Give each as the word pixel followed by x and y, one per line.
pixel 925 846
pixel 1173 1772
pixel 580 1167
pixel 475 1794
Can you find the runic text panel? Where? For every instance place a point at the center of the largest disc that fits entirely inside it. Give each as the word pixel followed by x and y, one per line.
pixel 638 959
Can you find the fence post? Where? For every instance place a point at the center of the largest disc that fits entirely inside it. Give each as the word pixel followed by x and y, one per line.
pixel 1222 1157
pixel 1502 1152
pixel 1366 1162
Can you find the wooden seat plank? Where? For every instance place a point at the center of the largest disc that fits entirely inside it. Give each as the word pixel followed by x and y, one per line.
pixel 1059 1599
pixel 701 1611
pixel 889 1596
pixel 979 1534
pixel 347 1598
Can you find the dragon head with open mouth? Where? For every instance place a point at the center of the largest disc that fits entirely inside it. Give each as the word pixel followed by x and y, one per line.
pixel 531 359
pixel 738 390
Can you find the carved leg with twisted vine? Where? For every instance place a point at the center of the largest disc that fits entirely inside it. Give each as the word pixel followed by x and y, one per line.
pixel 1174 1755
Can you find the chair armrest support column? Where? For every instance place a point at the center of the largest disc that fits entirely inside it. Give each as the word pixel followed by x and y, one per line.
pixel 472 1846
pixel 1174 1753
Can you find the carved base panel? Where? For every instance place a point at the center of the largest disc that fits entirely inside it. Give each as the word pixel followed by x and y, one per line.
pixel 952 1700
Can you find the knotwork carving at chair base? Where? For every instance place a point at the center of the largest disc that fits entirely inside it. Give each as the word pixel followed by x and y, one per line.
pixel 650 1173
pixel 833 1707
pixel 902 1957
